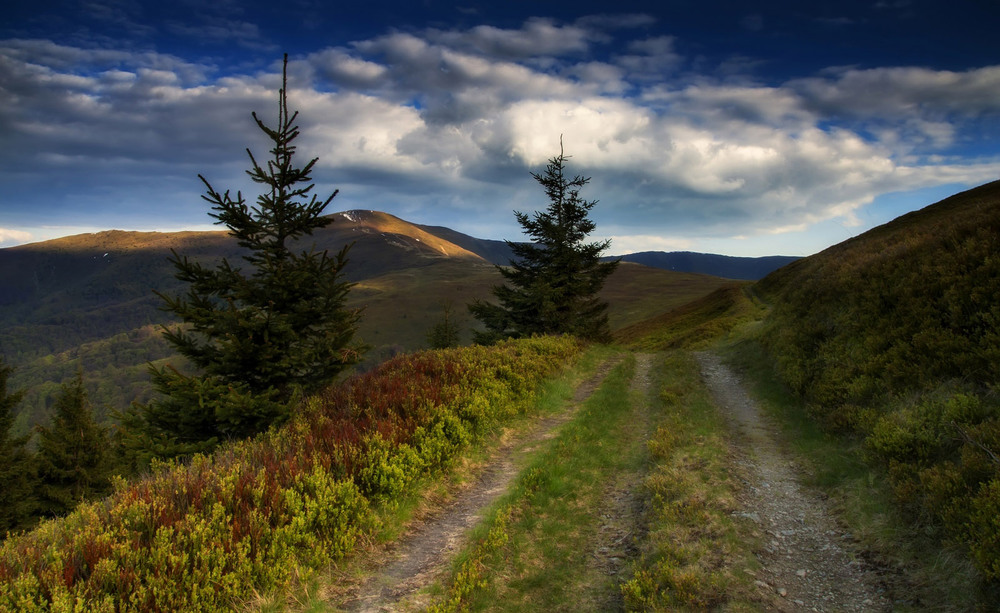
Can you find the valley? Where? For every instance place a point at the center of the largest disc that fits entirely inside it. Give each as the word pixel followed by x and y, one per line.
pixel 87 302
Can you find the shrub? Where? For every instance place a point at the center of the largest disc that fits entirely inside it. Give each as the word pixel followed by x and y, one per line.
pixel 196 536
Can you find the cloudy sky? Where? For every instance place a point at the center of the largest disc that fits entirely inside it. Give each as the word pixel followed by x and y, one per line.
pixel 722 126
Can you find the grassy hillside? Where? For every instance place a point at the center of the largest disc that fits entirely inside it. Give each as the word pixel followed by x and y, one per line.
pixel 894 337
pixel 261 514
pixel 87 301
pixel 695 323
pixel 906 306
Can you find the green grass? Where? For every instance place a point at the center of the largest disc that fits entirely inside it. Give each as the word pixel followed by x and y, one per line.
pixel 697 555
pixel 537 550
pixel 696 323
pixel 538 543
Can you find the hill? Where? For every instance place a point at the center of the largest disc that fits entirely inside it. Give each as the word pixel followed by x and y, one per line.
pixel 729 267
pixel 893 337
pixel 919 294
pixel 87 301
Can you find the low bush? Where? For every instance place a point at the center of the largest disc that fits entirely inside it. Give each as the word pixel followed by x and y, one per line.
pixel 202 535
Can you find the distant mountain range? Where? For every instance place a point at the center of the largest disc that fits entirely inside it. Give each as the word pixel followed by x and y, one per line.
pixel 746 269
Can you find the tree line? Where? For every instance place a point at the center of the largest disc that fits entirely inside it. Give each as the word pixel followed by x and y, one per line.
pixel 262 334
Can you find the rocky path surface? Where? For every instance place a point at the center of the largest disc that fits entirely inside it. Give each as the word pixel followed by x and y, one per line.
pixel 808 561
pixel 415 561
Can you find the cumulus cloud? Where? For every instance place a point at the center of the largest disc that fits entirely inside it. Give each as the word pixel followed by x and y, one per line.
pixel 537 37
pixel 455 119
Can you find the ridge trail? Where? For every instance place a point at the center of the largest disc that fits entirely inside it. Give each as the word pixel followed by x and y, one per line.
pixel 809 562
pixel 413 562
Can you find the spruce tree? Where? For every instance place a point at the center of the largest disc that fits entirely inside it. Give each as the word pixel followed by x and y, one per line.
pixel 445 333
pixel 259 335
pixel 552 282
pixel 15 468
pixel 73 458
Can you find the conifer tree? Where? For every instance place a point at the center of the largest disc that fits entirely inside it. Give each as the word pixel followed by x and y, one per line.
pixel 15 468
pixel 443 334
pixel 258 336
pixel 553 281
pixel 73 458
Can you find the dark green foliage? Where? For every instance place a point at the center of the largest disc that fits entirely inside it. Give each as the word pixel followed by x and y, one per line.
pixel 73 457
pixel 895 336
pixel 257 337
pixel 552 282
pixel 444 334
pixel 902 307
pixel 15 468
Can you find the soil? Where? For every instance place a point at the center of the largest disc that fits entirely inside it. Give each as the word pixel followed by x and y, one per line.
pixel 809 563
pixel 417 559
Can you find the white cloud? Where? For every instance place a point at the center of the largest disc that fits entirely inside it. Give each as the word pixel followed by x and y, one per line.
pixel 902 92
pixel 537 37
pixel 455 120
pixel 13 237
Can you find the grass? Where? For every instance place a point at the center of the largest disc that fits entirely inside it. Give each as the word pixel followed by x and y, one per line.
pixel 537 547
pixel 696 323
pixel 543 549
pixel 697 554
pixel 316 593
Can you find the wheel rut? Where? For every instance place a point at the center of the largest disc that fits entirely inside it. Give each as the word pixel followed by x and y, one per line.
pixel 809 562
pixel 419 557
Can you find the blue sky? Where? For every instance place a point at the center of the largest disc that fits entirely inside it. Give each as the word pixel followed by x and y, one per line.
pixel 706 125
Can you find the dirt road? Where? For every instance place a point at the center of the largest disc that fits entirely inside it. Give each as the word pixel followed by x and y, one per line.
pixel 808 560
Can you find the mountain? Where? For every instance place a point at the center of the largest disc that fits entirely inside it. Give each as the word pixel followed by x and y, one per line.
pixel 725 266
pixel 729 267
pixel 87 301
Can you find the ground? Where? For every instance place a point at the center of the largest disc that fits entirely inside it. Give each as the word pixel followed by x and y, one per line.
pixel 808 563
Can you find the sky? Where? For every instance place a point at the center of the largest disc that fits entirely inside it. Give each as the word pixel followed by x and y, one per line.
pixel 720 126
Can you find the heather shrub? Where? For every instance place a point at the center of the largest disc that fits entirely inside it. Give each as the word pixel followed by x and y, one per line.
pixel 199 535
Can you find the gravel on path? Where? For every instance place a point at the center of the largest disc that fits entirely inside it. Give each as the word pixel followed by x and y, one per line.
pixel 808 560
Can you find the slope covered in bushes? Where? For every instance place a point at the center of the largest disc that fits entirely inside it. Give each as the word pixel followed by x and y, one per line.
pixel 894 336
pixel 201 535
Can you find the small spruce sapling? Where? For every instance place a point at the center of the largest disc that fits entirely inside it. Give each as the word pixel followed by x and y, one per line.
pixel 73 459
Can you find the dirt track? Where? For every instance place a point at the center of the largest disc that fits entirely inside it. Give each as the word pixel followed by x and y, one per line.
pixel 809 563
pixel 415 561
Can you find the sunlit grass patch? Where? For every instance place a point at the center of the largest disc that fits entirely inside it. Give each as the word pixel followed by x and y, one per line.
pixel 549 519
pixel 696 553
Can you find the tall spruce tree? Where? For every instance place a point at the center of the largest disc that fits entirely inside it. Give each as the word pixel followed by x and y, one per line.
pixel 16 470
pixel 74 462
pixel 553 281
pixel 257 337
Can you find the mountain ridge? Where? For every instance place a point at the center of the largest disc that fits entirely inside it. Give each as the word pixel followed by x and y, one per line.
pixel 87 302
